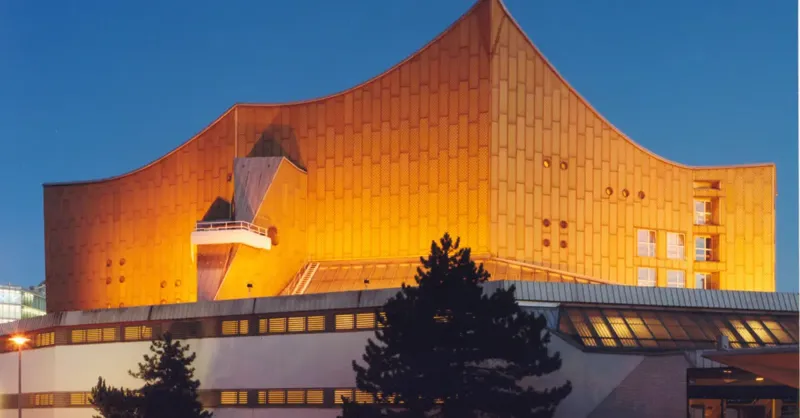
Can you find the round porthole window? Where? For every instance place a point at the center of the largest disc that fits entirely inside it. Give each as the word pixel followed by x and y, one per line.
pixel 546 163
pixel 625 193
pixel 641 195
pixel 563 224
pixel 163 284
pixel 122 279
pixel 563 165
pixel 546 242
pixel 609 191
pixel 563 244
pixel 546 222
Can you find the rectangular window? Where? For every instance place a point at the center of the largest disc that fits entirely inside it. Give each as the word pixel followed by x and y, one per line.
pixel 43 399
pixel 702 212
pixel 702 281
pixel 316 323
pixel 295 397
pixel 338 394
pixel 676 278
pixel 314 396
pixel 297 324
pixel 703 249
pixel 79 398
pixel 345 321
pixel 646 243
pixel 646 277
pixel 135 333
pixel 676 246
pixel 229 397
pixel 365 320
pixel 44 339
pixel 240 327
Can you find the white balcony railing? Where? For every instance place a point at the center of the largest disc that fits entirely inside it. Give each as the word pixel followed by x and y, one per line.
pixel 231 232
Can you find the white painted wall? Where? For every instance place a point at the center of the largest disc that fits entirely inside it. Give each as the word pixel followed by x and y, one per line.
pixel 275 361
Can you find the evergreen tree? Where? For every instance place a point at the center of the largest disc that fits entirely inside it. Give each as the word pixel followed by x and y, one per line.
pixel 446 349
pixel 169 390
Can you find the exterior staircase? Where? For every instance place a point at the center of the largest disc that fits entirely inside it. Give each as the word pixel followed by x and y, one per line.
pixel 302 284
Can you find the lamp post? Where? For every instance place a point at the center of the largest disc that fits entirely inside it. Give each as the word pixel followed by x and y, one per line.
pixel 19 341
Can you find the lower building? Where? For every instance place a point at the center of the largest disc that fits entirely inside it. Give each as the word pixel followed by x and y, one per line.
pixel 17 302
pixel 628 351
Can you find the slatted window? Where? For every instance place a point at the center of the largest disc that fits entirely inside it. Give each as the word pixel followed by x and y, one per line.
pixel 746 335
pixel 378 323
pixel 262 397
pixel 138 333
pixel 622 330
pixel 775 328
pixel 297 324
pixel 43 399
pixel 232 397
pixel 44 339
pixel 601 329
pixel 315 397
pixel 582 329
pixel 364 397
pixel 338 394
pixel 263 326
pixel 345 322
pixel 78 336
pixel 761 332
pixel 236 327
pixel 295 397
pixel 94 335
pixel 316 323
pixel 79 398
pixel 365 320
pixel 109 334
pixel 277 325
pixel 276 397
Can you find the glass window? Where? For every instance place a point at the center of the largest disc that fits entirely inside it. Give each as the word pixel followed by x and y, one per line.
pixel 676 247
pixel 702 212
pixel 646 243
pixel 702 280
pixel 676 278
pixel 646 277
pixel 702 249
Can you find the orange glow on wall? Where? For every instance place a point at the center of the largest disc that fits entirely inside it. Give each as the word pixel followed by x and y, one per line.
pixel 476 134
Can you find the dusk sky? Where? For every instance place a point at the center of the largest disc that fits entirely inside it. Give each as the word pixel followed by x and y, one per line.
pixel 93 89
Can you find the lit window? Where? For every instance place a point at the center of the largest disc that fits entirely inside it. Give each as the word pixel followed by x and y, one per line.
pixel 702 280
pixel 646 277
pixel 676 247
pixel 676 278
pixel 646 243
pixel 702 212
pixel 702 249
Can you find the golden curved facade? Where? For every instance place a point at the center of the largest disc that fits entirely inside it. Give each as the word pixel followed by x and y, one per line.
pixel 475 134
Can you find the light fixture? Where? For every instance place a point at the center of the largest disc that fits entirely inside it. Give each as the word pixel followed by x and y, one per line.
pixel 759 379
pixel 19 340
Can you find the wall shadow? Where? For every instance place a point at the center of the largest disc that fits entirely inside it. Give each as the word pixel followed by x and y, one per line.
pixel 278 140
pixel 220 210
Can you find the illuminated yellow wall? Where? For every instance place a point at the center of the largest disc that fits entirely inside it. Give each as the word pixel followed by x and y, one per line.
pixel 451 139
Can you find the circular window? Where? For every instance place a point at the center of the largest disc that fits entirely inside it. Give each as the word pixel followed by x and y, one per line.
pixel 641 194
pixel 108 280
pixel 177 283
pixel 121 261
pixel 609 191
pixel 163 284
pixel 163 301
pixel 563 224
pixel 177 300
pixel 122 304
pixel 108 262
pixel 546 163
pixel 546 242
pixel 563 244
pixel 122 279
pixel 546 222
pixel 625 193
pixel 563 165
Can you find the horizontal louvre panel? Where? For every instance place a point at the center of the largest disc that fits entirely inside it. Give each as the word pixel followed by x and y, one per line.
pixel 228 398
pixel 315 396
pixel 78 336
pixel 80 398
pixel 44 339
pixel 338 394
pixel 262 397
pixel 230 327
pixel 345 321
pixel 243 397
pixel 364 397
pixel 109 334
pixel 244 327
pixel 316 323
pixel 365 320
pixel 295 397
pixel 262 326
pixel 277 325
pixel 383 316
pixel 94 335
pixel 277 397
pixel 136 333
pixel 297 324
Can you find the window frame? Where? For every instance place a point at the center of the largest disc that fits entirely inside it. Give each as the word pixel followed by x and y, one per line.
pixel 707 248
pixel 671 247
pixel 682 278
pixel 706 216
pixel 707 278
pixel 650 247
pixel 654 277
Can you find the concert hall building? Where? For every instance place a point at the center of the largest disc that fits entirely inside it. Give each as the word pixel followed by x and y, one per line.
pixel 268 240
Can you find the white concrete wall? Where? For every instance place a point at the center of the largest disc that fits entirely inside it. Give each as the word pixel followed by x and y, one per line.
pixel 277 361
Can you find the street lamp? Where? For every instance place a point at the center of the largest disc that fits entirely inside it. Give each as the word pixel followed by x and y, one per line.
pixel 19 341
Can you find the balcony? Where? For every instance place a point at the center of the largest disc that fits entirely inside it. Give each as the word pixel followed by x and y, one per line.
pixel 231 232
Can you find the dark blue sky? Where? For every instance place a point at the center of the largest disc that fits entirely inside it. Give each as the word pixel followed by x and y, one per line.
pixel 97 90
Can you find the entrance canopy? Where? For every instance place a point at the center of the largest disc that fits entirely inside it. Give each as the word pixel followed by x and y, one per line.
pixel 778 363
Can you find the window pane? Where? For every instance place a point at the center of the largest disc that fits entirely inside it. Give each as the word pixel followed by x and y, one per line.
pixel 676 278
pixel 646 276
